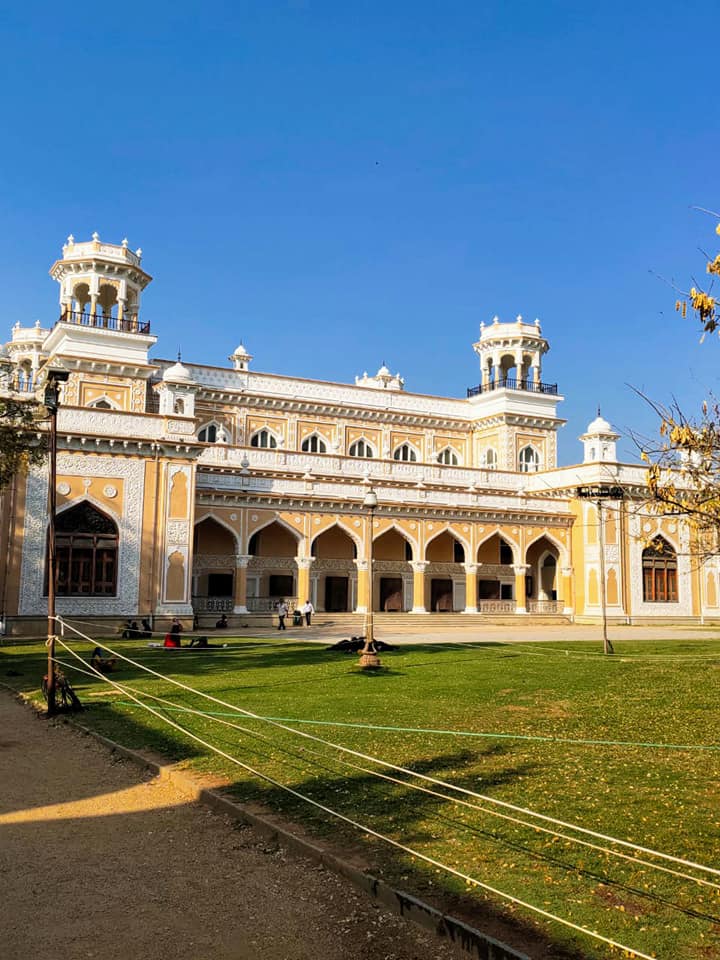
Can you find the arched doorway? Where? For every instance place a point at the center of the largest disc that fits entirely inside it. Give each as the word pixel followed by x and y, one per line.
pixel 214 549
pixel 334 573
pixel 86 550
pixel 543 581
pixel 445 555
pixel 272 571
pixel 392 573
pixel 496 577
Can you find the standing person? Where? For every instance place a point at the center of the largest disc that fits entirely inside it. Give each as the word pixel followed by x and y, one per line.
pixel 282 612
pixel 308 610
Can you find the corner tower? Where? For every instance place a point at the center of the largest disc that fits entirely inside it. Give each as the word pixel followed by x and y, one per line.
pixel 515 411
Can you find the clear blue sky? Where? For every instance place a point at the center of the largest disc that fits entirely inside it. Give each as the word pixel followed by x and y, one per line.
pixel 340 184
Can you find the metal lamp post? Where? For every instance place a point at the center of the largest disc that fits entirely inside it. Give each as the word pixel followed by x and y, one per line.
pixel 369 660
pixel 52 401
pixel 599 494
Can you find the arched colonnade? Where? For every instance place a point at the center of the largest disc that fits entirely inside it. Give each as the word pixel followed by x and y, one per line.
pixel 418 566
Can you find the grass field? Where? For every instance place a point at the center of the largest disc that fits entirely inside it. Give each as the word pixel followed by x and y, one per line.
pixel 628 784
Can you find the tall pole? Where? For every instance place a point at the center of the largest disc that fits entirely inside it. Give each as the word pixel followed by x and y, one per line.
pixel 369 660
pixel 607 646
pixel 52 560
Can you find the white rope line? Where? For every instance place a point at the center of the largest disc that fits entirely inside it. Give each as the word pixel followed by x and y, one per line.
pixel 413 786
pixel 369 830
pixel 437 782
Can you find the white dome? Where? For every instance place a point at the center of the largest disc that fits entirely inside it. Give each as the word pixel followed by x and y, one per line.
pixel 599 425
pixel 383 372
pixel 240 351
pixel 178 373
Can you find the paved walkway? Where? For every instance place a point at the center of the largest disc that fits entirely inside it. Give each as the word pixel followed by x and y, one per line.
pixel 99 860
pixel 427 632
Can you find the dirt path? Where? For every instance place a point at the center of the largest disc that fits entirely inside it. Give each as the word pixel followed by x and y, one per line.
pixel 99 860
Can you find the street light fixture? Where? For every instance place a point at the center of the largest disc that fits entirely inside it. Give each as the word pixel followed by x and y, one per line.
pixel 369 660
pixel 51 400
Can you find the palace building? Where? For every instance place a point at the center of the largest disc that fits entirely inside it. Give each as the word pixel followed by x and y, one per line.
pixel 185 489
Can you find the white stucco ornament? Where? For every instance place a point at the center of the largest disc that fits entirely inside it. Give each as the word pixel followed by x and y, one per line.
pixel 63 489
pixel 110 491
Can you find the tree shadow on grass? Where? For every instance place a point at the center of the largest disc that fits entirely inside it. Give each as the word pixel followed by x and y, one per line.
pixel 414 819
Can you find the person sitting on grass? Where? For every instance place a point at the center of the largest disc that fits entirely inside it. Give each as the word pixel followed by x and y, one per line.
pixel 146 628
pixel 101 663
pixel 172 641
pixel 202 644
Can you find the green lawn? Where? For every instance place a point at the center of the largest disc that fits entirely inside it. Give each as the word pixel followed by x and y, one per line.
pixel 648 693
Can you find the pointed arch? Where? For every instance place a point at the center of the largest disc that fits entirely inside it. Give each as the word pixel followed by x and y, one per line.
pixel 208 432
pixel 264 437
pixel 455 535
pixel 502 535
pixel 314 442
pixel 362 448
pixel 449 456
pixel 87 541
pixel 406 453
pixel 104 402
pixel 660 572
pixel 406 536
pixel 356 539
pixel 221 523
pixel 529 459
pixel 558 544
pixel 100 507
pixel 297 534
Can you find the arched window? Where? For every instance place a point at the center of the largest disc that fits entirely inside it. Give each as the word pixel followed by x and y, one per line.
pixel 448 457
pixel 405 452
pixel 361 448
pixel 263 438
pixel 314 444
pixel 102 404
pixel 179 406
pixel 659 562
pixel 490 459
pixel 86 548
pixel 529 460
pixel 208 434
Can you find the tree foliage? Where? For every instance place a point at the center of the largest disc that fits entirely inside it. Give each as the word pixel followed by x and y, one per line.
pixel 684 465
pixel 20 442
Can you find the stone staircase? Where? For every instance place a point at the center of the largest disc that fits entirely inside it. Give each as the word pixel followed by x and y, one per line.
pixel 353 624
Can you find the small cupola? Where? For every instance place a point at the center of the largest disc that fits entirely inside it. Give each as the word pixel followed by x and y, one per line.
pixel 383 380
pixel 240 358
pixel 177 390
pixel 600 441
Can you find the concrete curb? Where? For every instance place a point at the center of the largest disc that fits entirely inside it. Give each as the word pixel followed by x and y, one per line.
pixel 462 935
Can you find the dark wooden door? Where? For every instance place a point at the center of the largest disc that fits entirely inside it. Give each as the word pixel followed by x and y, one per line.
pixel 391 594
pixel 441 595
pixel 336 594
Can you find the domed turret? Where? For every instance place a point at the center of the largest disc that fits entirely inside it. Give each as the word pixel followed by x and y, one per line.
pixel 599 441
pixel 177 391
pixel 178 373
pixel 241 358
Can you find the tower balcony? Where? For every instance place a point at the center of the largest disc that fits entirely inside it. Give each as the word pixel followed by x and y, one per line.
pixel 102 321
pixel 512 383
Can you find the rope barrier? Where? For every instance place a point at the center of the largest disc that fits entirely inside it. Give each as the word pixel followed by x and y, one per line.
pixel 473 881
pixel 437 782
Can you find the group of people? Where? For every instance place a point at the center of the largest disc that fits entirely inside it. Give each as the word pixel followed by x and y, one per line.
pixel 305 611
pixel 131 631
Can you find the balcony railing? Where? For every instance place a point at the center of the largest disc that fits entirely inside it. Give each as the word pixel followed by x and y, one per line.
pixel 213 604
pixel 496 606
pixel 269 604
pixel 104 322
pixel 545 606
pixel 512 383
